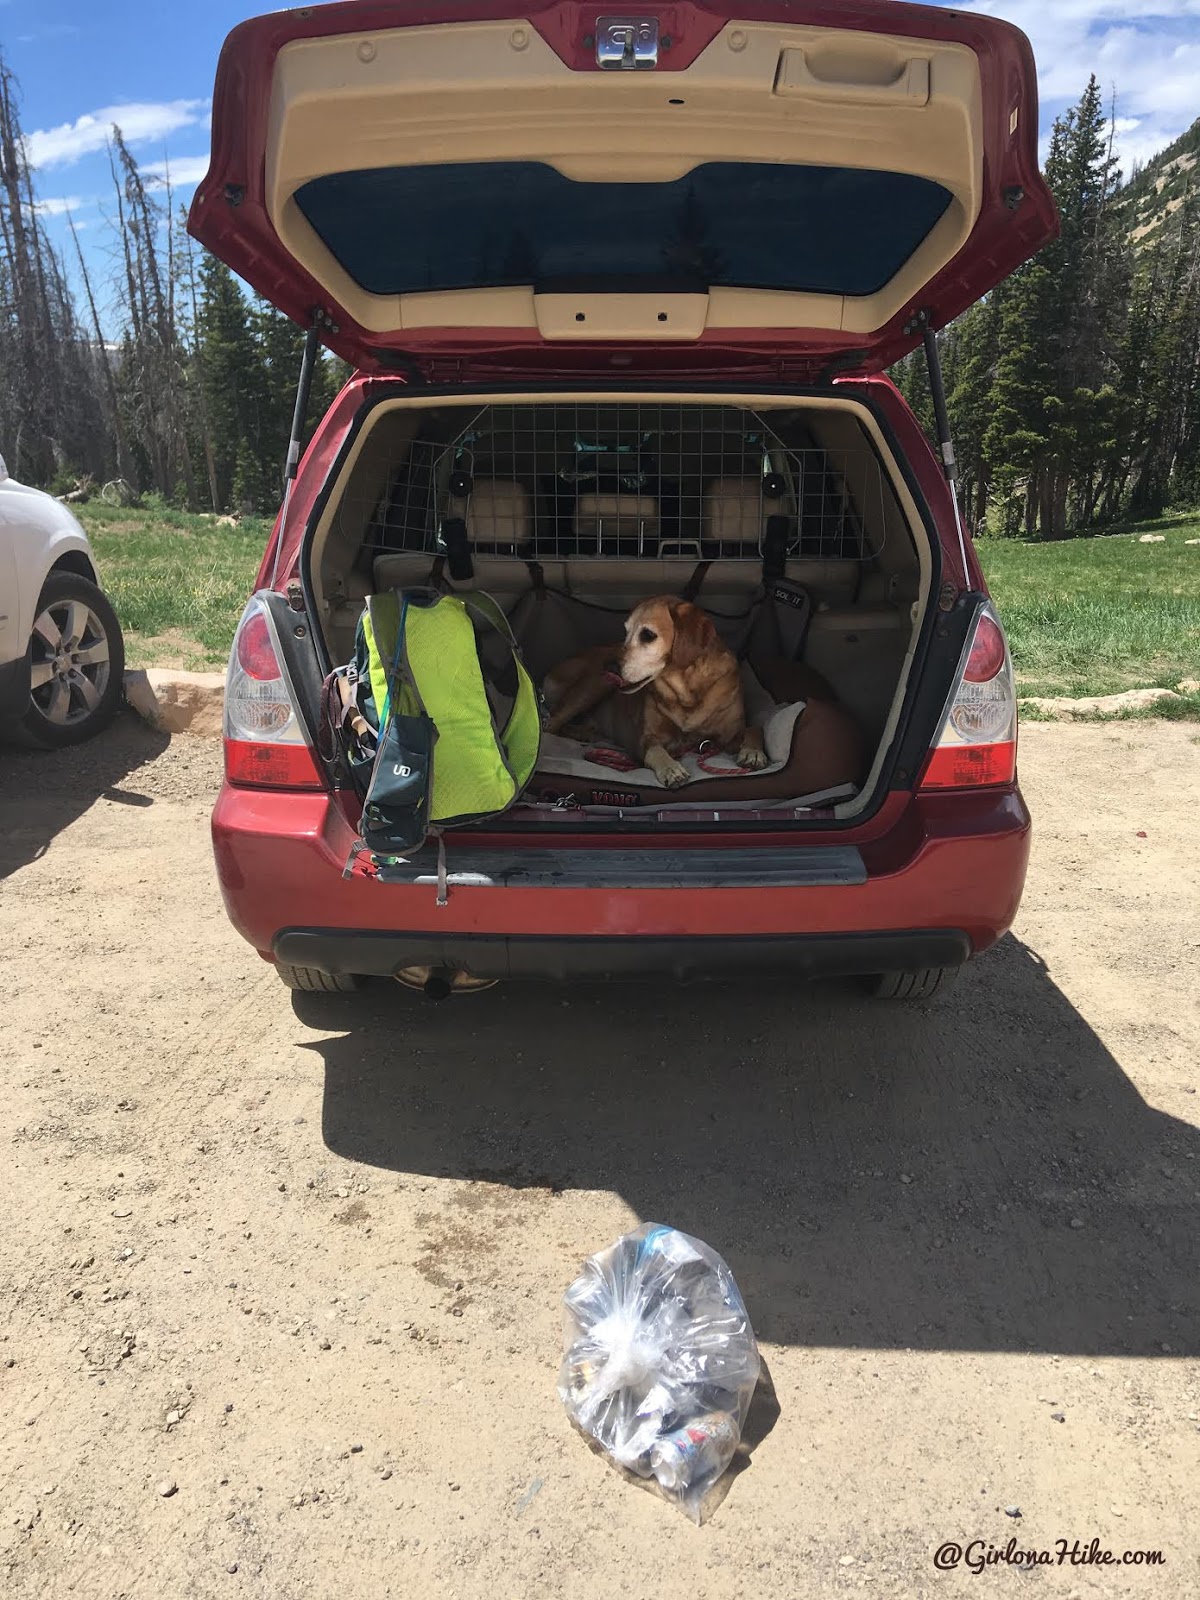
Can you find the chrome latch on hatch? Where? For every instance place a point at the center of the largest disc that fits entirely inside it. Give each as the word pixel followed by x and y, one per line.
pixel 627 44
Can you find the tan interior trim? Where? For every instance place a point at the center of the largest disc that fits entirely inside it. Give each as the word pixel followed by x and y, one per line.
pixel 839 416
pixel 621 316
pixel 495 91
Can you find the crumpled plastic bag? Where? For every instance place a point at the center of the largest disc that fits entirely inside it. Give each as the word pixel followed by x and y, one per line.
pixel 659 1360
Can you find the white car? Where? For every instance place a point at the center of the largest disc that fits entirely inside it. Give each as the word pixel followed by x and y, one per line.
pixel 62 657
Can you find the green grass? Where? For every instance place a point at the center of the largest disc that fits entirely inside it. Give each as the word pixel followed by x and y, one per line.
pixel 1100 615
pixel 1087 616
pixel 178 581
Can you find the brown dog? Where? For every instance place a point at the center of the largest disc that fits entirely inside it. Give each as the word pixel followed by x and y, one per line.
pixel 672 685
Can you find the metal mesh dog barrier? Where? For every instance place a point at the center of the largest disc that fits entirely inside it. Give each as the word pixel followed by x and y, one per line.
pixel 620 479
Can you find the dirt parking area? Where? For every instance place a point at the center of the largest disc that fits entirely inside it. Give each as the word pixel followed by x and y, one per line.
pixel 281 1275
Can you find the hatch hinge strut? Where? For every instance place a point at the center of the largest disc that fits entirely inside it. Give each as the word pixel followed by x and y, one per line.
pixel 937 389
pixel 308 366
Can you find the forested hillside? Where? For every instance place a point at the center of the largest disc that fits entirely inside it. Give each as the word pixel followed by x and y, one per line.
pixel 1075 387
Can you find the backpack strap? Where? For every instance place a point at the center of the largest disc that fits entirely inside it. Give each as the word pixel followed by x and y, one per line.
pixel 521 737
pixel 488 610
pixel 383 676
pixel 437 575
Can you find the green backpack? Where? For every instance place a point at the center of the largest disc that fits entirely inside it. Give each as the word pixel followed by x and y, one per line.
pixel 458 721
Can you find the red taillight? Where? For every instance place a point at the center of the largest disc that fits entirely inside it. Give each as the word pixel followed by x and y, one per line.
pixel 255 649
pixel 271 766
pixel 970 766
pixel 976 745
pixel 987 651
pixel 266 745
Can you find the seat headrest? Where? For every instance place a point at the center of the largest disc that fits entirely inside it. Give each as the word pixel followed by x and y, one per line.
pixel 736 510
pixel 498 513
pixel 616 516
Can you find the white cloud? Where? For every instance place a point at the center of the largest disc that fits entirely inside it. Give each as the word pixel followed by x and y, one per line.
pixel 59 205
pixel 52 31
pixel 184 173
pixel 139 121
pixel 1147 51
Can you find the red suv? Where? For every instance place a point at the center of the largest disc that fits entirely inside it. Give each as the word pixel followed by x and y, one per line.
pixel 620 293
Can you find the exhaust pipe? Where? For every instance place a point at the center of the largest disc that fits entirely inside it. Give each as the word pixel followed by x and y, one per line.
pixel 439 983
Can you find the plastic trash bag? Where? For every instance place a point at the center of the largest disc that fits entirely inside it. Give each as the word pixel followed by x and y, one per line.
pixel 659 1359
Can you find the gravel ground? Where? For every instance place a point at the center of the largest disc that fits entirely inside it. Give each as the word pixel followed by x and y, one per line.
pixel 282 1274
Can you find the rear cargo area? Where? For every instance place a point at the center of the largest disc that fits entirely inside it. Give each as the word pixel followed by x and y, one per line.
pixel 786 519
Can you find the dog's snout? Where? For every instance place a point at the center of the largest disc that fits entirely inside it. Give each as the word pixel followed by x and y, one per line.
pixel 613 668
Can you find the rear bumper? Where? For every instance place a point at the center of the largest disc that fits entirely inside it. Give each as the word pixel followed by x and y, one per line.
pixel 939 879
pixel 492 956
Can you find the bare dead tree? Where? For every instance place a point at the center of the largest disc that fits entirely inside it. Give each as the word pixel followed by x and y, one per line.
pixel 188 269
pixel 51 413
pixel 116 422
pixel 157 390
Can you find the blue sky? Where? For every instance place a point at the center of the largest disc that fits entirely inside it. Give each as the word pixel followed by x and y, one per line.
pixel 149 64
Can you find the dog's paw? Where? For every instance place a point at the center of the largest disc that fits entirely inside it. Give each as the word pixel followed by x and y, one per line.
pixel 665 768
pixel 668 771
pixel 752 757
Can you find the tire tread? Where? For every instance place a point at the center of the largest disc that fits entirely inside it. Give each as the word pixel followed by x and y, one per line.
pixel 920 985
pixel 311 980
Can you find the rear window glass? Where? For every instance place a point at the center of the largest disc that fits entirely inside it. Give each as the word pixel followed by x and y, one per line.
pixel 819 230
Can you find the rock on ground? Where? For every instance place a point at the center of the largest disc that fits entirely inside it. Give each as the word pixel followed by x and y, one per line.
pixel 174 701
pixel 1104 704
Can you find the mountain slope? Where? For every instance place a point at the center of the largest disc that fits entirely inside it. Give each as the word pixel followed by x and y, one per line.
pixel 1159 188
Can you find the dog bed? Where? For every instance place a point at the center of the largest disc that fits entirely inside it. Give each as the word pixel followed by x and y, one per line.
pixel 591 774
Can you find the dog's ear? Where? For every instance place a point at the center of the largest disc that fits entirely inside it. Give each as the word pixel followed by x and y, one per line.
pixel 694 634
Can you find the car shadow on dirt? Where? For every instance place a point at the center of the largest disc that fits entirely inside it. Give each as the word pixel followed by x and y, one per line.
pixel 978 1173
pixel 44 791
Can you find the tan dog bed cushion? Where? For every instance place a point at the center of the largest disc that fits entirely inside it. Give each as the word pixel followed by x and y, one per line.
pixel 565 770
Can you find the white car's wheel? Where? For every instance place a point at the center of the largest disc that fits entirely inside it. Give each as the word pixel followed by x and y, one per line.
pixel 77 665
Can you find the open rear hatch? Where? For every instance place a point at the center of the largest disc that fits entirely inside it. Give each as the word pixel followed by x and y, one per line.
pixel 698 188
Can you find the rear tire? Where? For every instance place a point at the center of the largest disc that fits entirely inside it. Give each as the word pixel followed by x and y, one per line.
pixel 310 980
pixel 921 985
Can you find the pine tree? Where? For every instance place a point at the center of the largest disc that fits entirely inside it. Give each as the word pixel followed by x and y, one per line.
pixel 1089 268
pixel 281 351
pixel 1039 375
pixel 1161 357
pixel 234 381
pixel 912 379
pixel 969 355
pixel 251 491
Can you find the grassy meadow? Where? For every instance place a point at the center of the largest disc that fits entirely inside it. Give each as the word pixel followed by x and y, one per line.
pixel 1087 616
